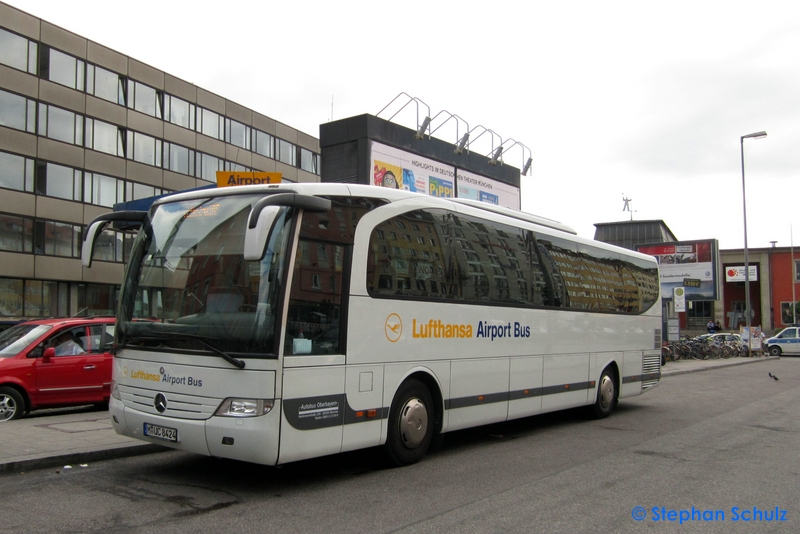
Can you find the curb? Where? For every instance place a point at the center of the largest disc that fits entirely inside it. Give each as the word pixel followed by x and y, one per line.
pixel 45 462
pixel 742 361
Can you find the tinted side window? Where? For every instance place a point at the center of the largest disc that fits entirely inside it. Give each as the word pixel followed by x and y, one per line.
pixel 436 254
pixel 442 255
pixel 600 280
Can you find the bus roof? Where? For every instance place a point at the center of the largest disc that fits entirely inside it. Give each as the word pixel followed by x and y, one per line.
pixel 391 195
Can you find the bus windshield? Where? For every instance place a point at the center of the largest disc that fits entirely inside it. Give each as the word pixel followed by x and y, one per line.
pixel 188 287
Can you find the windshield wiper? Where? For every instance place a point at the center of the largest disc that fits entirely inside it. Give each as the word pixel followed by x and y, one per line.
pixel 225 356
pixel 161 336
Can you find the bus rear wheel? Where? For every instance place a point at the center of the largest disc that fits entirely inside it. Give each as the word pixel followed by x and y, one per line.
pixel 606 395
pixel 411 423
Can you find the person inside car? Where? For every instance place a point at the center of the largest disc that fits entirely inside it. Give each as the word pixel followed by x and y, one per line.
pixel 65 345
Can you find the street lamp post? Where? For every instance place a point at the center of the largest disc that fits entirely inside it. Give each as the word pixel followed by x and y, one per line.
pixel 756 135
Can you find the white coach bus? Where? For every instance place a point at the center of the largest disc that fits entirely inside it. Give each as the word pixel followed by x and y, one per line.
pixel 276 323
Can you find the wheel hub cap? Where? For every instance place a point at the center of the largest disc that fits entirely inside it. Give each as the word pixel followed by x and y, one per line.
pixel 413 423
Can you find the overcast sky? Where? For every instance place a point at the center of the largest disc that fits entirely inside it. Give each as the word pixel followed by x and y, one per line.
pixel 642 99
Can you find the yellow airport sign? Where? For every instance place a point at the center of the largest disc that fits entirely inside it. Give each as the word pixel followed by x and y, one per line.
pixel 228 178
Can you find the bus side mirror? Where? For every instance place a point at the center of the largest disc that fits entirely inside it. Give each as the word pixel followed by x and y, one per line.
pixel 258 229
pixel 49 354
pixel 263 216
pixel 134 219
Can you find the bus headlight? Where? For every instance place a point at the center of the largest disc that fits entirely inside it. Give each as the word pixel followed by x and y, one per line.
pixel 115 390
pixel 244 407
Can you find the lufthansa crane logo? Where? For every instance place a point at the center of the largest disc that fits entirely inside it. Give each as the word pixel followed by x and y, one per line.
pixel 393 328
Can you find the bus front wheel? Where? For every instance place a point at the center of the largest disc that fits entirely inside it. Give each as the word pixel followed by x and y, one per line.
pixel 411 423
pixel 606 395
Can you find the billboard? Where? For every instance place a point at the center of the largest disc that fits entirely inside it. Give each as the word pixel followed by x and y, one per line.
pixel 398 169
pixel 735 273
pixel 691 265
pixel 477 187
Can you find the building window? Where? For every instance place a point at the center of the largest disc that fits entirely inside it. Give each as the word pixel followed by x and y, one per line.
pixel 234 167
pixel 237 134
pixel 210 123
pixel 179 112
pixel 60 124
pixel 57 239
pixel 105 84
pixel 16 233
pixel 207 167
pixel 45 298
pixel 109 246
pixel 178 158
pixel 98 299
pixel 264 144
pixel 58 181
pixel 308 161
pixel 105 137
pixel 144 149
pixel 61 68
pixel 135 191
pixel 790 312
pixel 145 99
pixel 18 52
pixel 287 153
pixel 18 112
pixel 11 291
pixel 16 172
pixel 103 190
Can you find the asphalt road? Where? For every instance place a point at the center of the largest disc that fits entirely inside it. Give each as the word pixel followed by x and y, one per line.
pixel 723 442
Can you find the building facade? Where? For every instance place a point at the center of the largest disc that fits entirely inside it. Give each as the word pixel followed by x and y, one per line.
pixel 774 281
pixel 774 288
pixel 83 127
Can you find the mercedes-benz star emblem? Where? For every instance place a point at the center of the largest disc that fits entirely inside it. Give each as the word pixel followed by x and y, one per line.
pixel 160 403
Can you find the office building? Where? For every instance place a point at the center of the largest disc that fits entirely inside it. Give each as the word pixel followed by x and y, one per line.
pixel 84 127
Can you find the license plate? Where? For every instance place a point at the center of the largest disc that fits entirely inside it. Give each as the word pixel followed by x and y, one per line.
pixel 161 432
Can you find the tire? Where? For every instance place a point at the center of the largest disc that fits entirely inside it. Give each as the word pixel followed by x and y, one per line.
pixel 411 424
pixel 607 395
pixel 774 350
pixel 12 406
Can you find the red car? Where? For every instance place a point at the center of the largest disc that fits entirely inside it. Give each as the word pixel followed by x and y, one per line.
pixel 54 362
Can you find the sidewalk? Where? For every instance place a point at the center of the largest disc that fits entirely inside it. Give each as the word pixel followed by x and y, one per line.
pixel 56 438
pixel 690 366
pixel 64 437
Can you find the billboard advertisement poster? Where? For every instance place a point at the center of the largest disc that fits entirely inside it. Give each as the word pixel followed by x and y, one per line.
pixel 398 169
pixel 476 187
pixel 679 261
pixel 736 273
pixel 439 187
